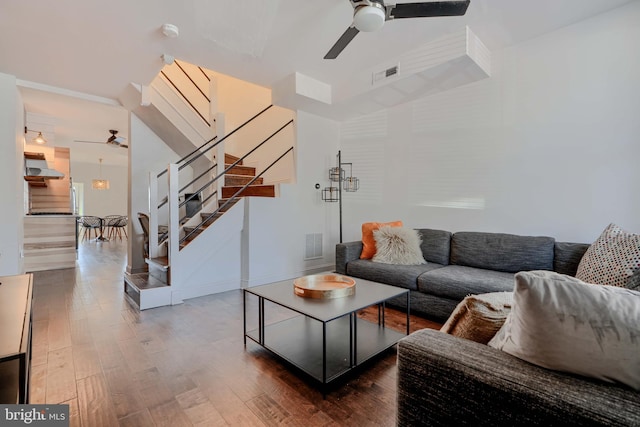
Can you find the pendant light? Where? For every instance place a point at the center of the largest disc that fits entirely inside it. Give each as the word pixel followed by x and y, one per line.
pixel 100 184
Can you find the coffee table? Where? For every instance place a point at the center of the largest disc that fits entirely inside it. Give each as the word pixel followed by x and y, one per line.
pixel 324 337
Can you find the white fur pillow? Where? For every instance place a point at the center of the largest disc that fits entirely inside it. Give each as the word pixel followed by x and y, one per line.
pixel 398 245
pixel 562 323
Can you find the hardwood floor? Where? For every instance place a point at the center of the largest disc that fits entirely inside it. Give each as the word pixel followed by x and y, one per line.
pixel 179 366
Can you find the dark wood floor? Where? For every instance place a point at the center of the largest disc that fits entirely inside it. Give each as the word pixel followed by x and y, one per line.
pixel 182 365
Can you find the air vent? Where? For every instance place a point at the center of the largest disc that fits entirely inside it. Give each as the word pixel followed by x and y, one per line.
pixel 313 246
pixel 384 74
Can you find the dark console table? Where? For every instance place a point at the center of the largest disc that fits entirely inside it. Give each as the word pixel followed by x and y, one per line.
pixel 15 337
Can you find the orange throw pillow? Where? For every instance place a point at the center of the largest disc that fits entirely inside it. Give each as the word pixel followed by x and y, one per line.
pixel 368 242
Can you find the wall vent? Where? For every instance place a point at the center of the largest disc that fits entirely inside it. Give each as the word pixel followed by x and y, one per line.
pixel 313 246
pixel 384 74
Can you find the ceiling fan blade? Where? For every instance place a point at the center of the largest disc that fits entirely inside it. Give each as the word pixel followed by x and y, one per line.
pixel 426 10
pixel 342 42
pixel 89 142
pixel 124 146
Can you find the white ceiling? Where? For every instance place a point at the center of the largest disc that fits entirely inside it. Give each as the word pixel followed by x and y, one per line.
pixel 98 48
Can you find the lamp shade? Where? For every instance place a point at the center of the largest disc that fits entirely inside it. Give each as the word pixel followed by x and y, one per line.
pixel 100 184
pixel 39 139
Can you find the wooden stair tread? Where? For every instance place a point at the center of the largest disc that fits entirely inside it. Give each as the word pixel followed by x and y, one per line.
pixel 253 190
pixel 230 180
pixel 198 230
pixel 241 170
pixel 230 158
pixel 204 216
pixel 222 201
pixel 162 262
pixel 144 281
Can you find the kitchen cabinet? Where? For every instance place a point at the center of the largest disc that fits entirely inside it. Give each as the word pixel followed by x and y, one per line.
pixel 49 242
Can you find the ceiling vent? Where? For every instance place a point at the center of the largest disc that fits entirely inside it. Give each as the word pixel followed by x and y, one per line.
pixel 384 74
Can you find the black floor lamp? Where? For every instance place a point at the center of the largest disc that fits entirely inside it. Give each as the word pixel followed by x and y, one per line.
pixel 345 183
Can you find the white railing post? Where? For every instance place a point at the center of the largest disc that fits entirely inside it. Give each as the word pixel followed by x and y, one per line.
pixel 220 133
pixel 154 249
pixel 174 215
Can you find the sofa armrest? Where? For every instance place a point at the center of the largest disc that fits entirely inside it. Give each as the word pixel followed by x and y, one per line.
pixel 346 252
pixel 567 257
pixel 445 380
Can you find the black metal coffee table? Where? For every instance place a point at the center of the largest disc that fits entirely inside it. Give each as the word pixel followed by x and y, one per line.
pixel 325 339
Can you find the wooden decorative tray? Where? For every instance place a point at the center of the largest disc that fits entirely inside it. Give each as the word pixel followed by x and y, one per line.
pixel 324 286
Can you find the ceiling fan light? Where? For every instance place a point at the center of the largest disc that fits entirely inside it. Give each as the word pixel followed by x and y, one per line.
pixel 369 18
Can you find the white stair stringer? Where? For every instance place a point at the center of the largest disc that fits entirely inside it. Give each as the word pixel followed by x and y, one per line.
pixel 173 122
pixel 211 262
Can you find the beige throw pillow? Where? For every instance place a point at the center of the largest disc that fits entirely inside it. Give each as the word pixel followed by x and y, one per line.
pixel 564 324
pixel 398 245
pixel 479 317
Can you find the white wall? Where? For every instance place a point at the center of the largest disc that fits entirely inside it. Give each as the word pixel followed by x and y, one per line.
pixel 239 101
pixel 147 153
pixel 275 229
pixel 11 172
pixel 102 202
pixel 547 146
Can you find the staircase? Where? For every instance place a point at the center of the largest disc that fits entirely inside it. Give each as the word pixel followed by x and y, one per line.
pixel 234 182
pixel 190 257
pixel 153 289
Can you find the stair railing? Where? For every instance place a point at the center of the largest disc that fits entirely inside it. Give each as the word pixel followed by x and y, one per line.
pixel 181 90
pixel 173 197
pixel 235 196
pixel 201 151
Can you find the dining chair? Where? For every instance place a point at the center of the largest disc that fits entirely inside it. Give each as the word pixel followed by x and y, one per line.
pixel 119 226
pixel 108 222
pixel 90 223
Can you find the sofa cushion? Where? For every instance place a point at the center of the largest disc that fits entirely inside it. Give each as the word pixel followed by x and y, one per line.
pixel 561 323
pixel 502 252
pixel 425 305
pixel 436 245
pixel 567 257
pixel 457 281
pixel 404 276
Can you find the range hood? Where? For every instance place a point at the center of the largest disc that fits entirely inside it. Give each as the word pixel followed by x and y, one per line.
pixel 38 168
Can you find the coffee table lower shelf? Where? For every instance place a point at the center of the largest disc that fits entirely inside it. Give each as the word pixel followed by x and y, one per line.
pixel 299 340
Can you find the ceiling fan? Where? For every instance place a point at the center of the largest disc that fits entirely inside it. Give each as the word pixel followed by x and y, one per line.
pixel 370 15
pixel 114 140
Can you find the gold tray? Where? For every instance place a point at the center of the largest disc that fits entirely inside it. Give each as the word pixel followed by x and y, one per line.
pixel 324 286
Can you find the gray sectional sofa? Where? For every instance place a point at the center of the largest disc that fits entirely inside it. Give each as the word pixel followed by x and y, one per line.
pixel 449 381
pixel 460 264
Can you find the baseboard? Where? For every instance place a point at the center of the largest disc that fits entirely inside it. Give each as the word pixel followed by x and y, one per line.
pixel 208 289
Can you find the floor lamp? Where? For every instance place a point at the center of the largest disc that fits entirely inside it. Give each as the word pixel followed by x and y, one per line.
pixel 345 183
